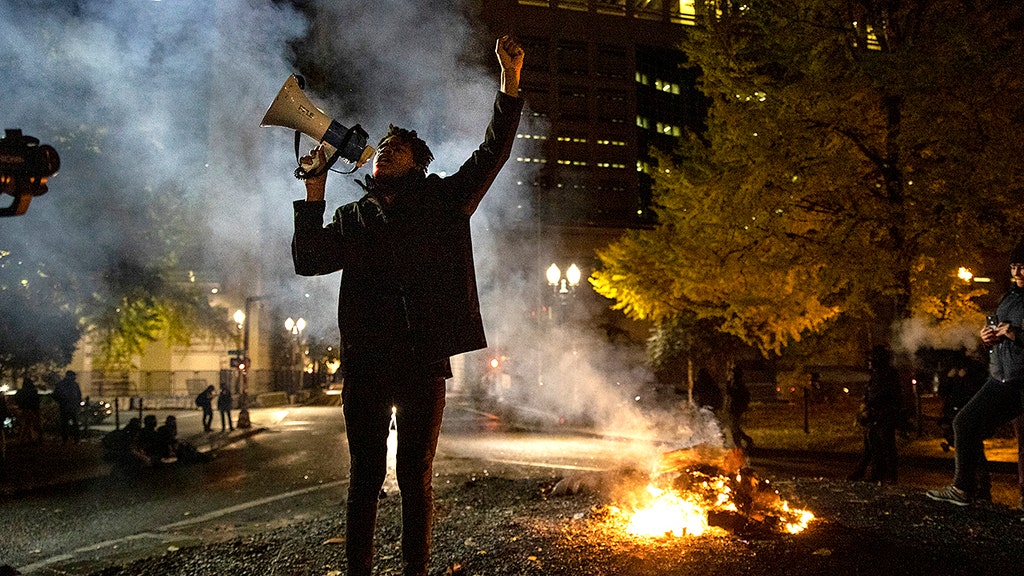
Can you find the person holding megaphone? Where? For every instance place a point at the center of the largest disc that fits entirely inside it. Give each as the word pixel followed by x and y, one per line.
pixel 408 303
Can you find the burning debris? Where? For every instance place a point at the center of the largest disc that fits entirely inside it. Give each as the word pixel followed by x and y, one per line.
pixel 692 492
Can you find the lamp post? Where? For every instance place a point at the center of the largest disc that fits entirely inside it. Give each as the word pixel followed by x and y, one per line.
pixel 240 319
pixel 295 327
pixel 563 285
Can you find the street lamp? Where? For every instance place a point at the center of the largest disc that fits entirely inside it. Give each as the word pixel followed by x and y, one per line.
pixel 295 327
pixel 564 284
pixel 242 359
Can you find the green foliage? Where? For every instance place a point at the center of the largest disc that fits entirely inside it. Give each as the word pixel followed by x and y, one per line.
pixel 39 327
pixel 857 154
pixel 138 304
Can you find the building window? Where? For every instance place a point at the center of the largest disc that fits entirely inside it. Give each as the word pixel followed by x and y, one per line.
pixel 648 9
pixel 613 62
pixel 665 86
pixel 683 13
pixel 642 78
pixel 668 129
pixel 572 103
pixel 643 122
pixel 573 4
pixel 572 57
pixel 617 7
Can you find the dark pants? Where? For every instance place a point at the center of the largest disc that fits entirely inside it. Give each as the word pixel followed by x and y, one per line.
pixel 207 419
pixel 993 406
pixel 225 416
pixel 69 424
pixel 879 454
pixel 419 405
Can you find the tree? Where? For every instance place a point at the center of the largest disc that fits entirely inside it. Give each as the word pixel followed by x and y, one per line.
pixel 140 303
pixel 40 328
pixel 857 154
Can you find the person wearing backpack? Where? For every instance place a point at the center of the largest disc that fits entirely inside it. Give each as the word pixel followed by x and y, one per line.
pixel 205 401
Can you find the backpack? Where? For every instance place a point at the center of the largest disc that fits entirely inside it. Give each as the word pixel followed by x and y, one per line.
pixel 200 400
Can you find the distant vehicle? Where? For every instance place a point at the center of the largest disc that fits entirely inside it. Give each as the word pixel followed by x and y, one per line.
pixel 95 412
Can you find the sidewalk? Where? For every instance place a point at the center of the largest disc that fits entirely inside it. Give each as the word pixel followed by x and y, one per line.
pixel 50 464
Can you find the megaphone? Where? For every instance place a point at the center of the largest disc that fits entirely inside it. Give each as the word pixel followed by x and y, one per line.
pixel 292 109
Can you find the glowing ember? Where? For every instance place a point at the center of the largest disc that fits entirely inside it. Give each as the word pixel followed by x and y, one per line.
pixel 695 497
pixel 668 513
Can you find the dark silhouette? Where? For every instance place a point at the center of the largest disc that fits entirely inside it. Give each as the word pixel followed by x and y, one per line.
pixel 5 413
pixel 27 400
pixel 68 396
pixel 123 448
pixel 205 401
pixel 880 415
pixel 149 439
pixel 956 387
pixel 409 303
pixel 739 401
pixel 171 449
pixel 706 392
pixel 224 407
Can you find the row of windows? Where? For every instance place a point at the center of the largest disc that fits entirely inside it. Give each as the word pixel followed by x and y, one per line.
pixel 677 11
pixel 659 127
pixel 572 139
pixel 659 85
pixel 567 162
pixel 604 186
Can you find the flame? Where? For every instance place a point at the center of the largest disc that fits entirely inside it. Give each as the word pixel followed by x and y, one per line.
pixel 668 512
pixel 664 512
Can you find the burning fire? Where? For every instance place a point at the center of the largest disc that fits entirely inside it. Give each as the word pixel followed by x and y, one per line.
pixel 700 498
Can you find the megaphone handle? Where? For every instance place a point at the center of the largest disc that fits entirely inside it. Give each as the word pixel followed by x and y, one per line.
pixel 309 169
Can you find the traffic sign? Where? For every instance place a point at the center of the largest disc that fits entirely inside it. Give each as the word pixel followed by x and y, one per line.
pixel 236 352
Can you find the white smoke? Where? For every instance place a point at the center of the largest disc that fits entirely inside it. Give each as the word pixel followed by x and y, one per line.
pixel 147 99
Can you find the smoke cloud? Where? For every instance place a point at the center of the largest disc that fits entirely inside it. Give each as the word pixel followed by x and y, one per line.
pixel 154 108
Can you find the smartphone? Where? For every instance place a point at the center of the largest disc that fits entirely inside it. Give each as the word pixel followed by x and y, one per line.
pixel 992 320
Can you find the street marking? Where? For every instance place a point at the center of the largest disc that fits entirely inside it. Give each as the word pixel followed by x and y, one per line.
pixel 246 505
pixel 155 534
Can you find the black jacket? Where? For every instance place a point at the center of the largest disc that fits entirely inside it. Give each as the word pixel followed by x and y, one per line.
pixel 1006 361
pixel 408 284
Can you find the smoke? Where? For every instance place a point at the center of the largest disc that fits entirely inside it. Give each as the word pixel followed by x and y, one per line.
pixel 154 107
pixel 917 333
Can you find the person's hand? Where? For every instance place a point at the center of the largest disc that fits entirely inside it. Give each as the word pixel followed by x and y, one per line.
pixel 989 335
pixel 1005 330
pixel 315 185
pixel 510 57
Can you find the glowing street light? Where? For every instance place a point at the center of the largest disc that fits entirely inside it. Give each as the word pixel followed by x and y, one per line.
pixel 967 276
pixel 295 327
pixel 564 284
pixel 239 318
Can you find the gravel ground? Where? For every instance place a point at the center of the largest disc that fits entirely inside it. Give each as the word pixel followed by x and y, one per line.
pixel 511 525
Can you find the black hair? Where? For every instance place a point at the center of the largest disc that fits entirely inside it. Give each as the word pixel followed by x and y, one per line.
pixel 421 154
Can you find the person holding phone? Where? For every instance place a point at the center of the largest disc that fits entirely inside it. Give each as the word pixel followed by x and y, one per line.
pixel 1000 399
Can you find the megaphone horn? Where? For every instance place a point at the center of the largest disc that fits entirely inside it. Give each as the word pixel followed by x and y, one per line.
pixel 292 109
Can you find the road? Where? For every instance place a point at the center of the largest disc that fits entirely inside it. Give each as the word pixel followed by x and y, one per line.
pixel 295 471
